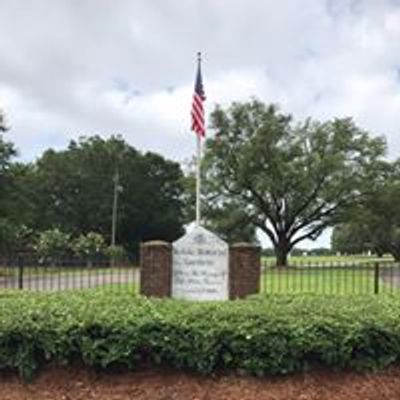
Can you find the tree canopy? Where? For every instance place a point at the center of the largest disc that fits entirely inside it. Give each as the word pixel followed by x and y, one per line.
pixel 72 190
pixel 228 222
pixel 3 126
pixel 75 191
pixel 374 223
pixel 291 179
pixel 351 238
pixel 7 152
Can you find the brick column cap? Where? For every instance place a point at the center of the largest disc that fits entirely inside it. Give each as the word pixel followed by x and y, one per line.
pixel 155 243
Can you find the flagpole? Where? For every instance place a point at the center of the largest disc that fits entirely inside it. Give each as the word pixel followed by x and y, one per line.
pixel 198 125
pixel 198 179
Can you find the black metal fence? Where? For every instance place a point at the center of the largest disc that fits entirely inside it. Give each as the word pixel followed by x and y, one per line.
pixel 331 278
pixel 27 271
pixel 30 272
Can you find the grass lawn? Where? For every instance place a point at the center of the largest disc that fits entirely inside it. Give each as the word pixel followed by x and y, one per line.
pixel 352 259
pixel 326 280
pixel 326 275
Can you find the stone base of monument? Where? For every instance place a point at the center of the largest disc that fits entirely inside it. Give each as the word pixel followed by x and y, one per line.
pixel 199 266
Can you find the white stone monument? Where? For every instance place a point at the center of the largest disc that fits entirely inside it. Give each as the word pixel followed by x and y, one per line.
pixel 200 266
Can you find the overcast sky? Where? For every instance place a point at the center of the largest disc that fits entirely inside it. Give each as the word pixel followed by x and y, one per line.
pixel 83 67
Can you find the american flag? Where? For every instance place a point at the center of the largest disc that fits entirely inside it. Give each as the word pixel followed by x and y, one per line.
pixel 198 124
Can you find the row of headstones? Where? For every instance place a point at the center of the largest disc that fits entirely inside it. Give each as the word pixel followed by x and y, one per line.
pixel 199 266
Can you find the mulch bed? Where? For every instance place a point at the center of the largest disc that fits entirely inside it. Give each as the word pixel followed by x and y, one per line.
pixel 83 384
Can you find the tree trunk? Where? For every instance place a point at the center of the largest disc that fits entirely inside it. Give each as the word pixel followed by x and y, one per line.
pixel 379 250
pixel 396 255
pixel 395 252
pixel 282 250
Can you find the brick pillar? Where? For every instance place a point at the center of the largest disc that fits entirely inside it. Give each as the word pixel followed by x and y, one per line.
pixel 244 270
pixel 156 269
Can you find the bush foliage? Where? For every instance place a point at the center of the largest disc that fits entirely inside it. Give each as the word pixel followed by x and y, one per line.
pixel 52 244
pixel 276 335
pixel 90 245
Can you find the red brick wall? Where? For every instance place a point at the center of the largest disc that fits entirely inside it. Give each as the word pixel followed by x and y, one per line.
pixel 156 269
pixel 244 270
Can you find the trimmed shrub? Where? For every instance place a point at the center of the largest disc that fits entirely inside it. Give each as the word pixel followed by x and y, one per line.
pixel 275 335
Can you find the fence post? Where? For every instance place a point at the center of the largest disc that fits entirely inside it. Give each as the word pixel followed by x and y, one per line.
pixel 376 278
pixel 20 272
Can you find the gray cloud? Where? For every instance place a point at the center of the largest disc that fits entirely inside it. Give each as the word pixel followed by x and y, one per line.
pixel 70 67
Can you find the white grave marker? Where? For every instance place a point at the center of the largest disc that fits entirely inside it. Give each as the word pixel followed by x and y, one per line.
pixel 200 266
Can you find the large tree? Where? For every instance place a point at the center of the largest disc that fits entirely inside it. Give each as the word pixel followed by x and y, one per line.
pixel 351 238
pixel 229 223
pixel 74 191
pixel 7 152
pixel 292 180
pixel 10 213
pixel 374 223
pixel 3 126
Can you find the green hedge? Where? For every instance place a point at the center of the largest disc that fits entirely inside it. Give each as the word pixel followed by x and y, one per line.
pixel 275 335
